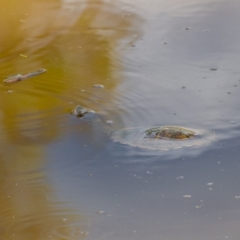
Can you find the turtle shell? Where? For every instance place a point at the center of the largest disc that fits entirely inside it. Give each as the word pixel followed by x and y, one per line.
pixel 162 137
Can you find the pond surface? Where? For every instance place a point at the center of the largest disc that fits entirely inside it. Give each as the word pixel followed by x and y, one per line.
pixel 155 63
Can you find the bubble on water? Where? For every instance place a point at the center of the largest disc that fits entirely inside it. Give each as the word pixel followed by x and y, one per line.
pixel 210 184
pixel 98 86
pixel 180 177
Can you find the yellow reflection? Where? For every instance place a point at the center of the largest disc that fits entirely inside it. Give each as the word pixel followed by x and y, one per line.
pixel 79 44
pixel 28 208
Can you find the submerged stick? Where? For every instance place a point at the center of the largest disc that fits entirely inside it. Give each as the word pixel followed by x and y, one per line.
pixel 20 77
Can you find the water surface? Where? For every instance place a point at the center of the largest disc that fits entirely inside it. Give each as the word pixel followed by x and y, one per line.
pixel 161 63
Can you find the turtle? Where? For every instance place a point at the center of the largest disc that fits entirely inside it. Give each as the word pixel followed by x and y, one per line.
pixel 162 137
pixel 154 138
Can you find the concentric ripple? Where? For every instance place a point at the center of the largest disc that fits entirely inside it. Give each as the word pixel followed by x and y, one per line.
pixel 136 137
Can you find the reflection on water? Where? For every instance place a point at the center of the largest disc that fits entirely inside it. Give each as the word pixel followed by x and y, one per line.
pixel 59 172
pixel 28 206
pixel 79 44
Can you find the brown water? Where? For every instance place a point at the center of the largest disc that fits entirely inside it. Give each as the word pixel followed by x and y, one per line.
pixel 64 178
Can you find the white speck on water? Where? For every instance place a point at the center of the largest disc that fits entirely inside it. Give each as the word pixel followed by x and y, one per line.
pixel 83 90
pixel 109 122
pixel 98 86
pixel 100 212
pixel 210 184
pixel 64 219
pixel 237 197
pixel 85 233
pixel 180 177
pixel 232 122
pixel 198 206
pixel 187 196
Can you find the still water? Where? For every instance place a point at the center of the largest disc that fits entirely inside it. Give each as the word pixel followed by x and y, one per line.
pixel 161 63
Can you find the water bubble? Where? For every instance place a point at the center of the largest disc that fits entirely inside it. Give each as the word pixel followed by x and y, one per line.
pixel 180 177
pixel 210 184
pixel 98 86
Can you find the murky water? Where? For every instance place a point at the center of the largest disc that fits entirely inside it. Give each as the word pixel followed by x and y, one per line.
pixel 156 63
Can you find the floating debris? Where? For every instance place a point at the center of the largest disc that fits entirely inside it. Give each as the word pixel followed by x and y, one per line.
pixel 20 77
pixel 100 212
pixel 80 111
pixel 187 28
pixel 213 69
pixel 22 55
pixel 98 86
pixel 187 196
